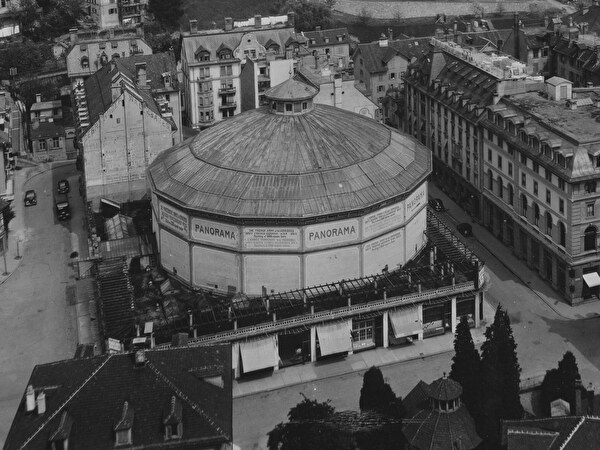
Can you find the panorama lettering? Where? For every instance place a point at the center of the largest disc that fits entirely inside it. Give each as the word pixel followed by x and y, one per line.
pixel 214 231
pixel 332 232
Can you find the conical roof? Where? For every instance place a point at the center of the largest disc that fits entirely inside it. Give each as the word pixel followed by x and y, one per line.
pixel 291 90
pixel 445 389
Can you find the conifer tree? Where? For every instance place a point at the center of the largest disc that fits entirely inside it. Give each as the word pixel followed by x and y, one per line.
pixel 561 382
pixel 500 377
pixel 466 367
pixel 377 395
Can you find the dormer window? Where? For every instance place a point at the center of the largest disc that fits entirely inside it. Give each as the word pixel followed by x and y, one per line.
pixel 59 440
pixel 124 425
pixel 173 419
pixel 202 56
pixel 225 54
pixel 85 62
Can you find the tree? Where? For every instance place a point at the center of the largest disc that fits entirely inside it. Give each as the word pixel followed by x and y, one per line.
pixel 28 13
pixel 377 395
pixel 330 3
pixel 306 429
pixel 364 16
pixel 500 377
pixel 309 15
pixel 466 367
pixel 167 13
pixel 561 382
pixel 60 15
pixel 478 10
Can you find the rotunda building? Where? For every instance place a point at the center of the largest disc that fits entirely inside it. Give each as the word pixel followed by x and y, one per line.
pixel 287 196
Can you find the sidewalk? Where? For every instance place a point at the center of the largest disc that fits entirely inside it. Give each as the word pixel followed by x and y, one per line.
pixel 516 266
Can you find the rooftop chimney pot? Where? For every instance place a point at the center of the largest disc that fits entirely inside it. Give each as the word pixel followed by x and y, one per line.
pixel 228 24
pixel 193 26
pixel 30 399
pixel 41 403
pixel 257 21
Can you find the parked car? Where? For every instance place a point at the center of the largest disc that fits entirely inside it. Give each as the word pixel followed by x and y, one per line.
pixel 436 204
pixel 63 187
pixel 465 229
pixel 30 198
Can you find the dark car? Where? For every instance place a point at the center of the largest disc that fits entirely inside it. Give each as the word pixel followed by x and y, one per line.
pixel 30 198
pixel 436 204
pixel 63 187
pixel 465 229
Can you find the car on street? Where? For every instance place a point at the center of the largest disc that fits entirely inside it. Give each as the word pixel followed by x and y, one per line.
pixel 465 229
pixel 30 198
pixel 63 187
pixel 436 204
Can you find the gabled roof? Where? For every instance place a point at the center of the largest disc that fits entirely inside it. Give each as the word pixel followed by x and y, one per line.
pixel 92 392
pixel 589 14
pixel 327 37
pixel 552 433
pixel 376 56
pixel 46 105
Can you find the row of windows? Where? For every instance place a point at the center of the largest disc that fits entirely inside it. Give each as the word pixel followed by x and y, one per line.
pixel 44 146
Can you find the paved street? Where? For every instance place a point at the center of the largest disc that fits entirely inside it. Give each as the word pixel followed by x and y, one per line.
pixel 544 328
pixel 37 316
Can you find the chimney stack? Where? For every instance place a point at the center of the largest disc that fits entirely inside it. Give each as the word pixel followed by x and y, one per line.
pixel 291 18
pixel 41 403
pixel 140 358
pixel 228 24
pixel 193 26
pixel 140 74
pixel 570 21
pixel 390 34
pixel 72 35
pixel 38 98
pixel 29 399
pixel 455 27
pixel 578 387
pixel 257 21
pixel 516 32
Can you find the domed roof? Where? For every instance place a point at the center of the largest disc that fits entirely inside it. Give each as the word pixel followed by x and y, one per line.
pixel 262 165
pixel 291 90
pixel 445 389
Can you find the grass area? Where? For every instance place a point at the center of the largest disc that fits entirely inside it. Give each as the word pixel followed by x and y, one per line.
pixel 207 11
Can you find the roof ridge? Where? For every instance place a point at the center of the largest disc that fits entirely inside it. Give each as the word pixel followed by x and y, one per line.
pixel 533 432
pixel 57 410
pixel 572 433
pixel 184 397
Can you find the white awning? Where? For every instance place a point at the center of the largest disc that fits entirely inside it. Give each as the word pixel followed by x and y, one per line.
pixel 591 279
pixel 405 322
pixel 259 354
pixel 335 337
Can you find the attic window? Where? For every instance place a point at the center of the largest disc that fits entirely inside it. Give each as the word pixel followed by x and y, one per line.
pixel 339 38
pixel 114 44
pixel 124 425
pixel 202 56
pixel 173 419
pixel 225 54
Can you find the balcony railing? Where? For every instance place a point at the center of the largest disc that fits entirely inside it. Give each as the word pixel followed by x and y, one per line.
pixel 228 105
pixel 227 90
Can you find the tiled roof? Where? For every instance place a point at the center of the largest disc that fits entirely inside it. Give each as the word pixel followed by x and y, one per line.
pixel 291 89
pixel 327 37
pixel 552 433
pixel 589 14
pixel 156 65
pixel 417 398
pixel 445 389
pixel 375 56
pixel 92 393
pixel 46 105
pixel 47 130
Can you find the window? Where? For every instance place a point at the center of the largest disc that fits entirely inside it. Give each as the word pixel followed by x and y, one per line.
pixel 589 238
pixel 523 205
pixel 561 206
pixel 561 184
pixel 225 54
pixel 548 175
pixel 589 187
pixel 85 63
pixel 562 234
pixel 536 215
pixel 536 167
pixel 83 48
pixel 490 136
pixel 392 76
pixel 112 10
pixel 173 431
pixel 362 330
pixel 589 209
pixel 535 187
pixel 304 105
pixel 510 167
pixel 380 88
pixel 500 187
pixel 545 51
pixel 42 144
pixel 524 159
pixel 523 180
pixel 511 195
pixel 114 44
pixel 499 162
pixel 536 53
pixel 489 155
pixel 123 437
pixel 226 70
pixel 288 107
pixel 548 224
pixel 55 142
pixel 490 180
pixel 548 196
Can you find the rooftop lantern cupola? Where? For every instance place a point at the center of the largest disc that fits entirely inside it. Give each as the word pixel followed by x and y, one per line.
pixel 445 394
pixel 291 98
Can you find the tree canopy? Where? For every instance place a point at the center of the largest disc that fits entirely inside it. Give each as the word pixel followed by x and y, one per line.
pixel 466 367
pixel 561 382
pixel 309 14
pixel 501 378
pixel 45 19
pixel 167 13
pixel 377 395
pixel 306 429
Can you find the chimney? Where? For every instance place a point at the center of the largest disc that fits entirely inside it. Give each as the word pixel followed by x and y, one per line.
pixel 140 358
pixel 179 340
pixel 111 33
pixel 516 37
pixel 455 27
pixel 318 28
pixel 38 98
pixel 291 18
pixel 29 399
pixel 41 403
pixel 578 388
pixel 193 26
pixel 140 74
pixel 228 24
pixel 570 21
pixel 383 42
pixel 316 60
pixel 72 35
pixel 390 34
pixel 257 19
pixel 469 27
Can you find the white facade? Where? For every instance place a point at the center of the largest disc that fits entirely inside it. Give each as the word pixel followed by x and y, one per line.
pixel 238 258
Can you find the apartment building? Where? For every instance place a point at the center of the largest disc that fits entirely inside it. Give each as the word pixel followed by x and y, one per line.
pixel 576 57
pixel 114 13
pixel 519 153
pixel 331 44
pixel 89 50
pixel 212 61
pixel 124 122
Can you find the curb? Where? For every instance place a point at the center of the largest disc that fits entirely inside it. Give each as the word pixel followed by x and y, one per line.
pixel 29 178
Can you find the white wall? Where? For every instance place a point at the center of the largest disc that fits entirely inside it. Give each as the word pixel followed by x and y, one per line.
pixel 275 272
pixel 331 266
pixel 175 253
pixel 215 268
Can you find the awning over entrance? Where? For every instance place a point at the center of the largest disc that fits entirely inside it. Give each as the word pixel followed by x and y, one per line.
pixel 335 337
pixel 591 279
pixel 405 321
pixel 259 354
